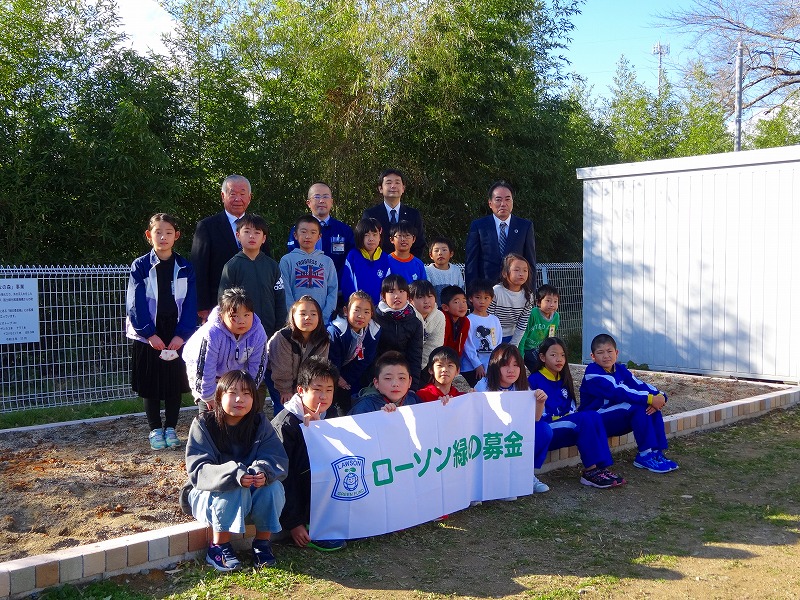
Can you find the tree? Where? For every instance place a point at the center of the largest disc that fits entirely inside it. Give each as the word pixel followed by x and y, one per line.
pixel 703 129
pixel 770 34
pixel 645 126
pixel 782 128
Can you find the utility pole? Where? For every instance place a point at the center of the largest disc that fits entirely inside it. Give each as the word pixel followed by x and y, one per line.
pixel 661 50
pixel 737 144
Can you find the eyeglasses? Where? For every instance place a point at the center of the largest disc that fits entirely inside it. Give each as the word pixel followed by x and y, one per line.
pixel 319 197
pixel 403 236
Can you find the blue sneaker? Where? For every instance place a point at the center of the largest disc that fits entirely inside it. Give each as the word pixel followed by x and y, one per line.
pixel 327 545
pixel 157 441
pixel 171 438
pixel 652 462
pixel 262 554
pixel 670 463
pixel 222 557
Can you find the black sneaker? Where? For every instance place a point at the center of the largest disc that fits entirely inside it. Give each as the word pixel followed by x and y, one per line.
pixel 222 557
pixel 618 479
pixel 599 478
pixel 327 545
pixel 262 554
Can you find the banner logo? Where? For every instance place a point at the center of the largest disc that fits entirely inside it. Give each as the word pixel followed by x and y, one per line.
pixel 350 483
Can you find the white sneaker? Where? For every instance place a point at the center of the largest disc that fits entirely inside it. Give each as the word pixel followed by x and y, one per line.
pixel 539 487
pixel 509 499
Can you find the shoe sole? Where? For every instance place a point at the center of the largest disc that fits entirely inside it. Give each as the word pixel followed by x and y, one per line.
pixel 220 568
pixel 342 547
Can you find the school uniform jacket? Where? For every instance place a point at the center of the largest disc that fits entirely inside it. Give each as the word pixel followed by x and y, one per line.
pixel 142 298
pixel 483 251
pixel 342 336
pixel 407 213
pixel 213 350
pixel 600 389
pixel 558 403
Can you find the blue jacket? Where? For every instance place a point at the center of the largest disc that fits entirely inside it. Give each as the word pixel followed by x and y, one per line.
pixel 374 402
pixel 599 389
pixel 361 273
pixel 337 241
pixel 142 298
pixel 558 403
pixel 341 340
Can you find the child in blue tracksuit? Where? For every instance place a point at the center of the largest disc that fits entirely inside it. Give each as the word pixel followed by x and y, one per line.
pixel 626 404
pixel 572 428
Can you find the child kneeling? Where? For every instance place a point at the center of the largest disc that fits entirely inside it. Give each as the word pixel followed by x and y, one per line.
pixel 316 384
pixel 235 463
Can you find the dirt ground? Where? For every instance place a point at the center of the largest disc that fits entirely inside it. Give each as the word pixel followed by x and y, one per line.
pixel 78 484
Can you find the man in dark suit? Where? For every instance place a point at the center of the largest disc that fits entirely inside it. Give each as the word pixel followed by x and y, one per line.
pixel 391 185
pixel 491 238
pixel 214 242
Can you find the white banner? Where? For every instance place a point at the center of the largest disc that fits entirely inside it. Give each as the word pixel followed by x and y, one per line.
pixel 381 472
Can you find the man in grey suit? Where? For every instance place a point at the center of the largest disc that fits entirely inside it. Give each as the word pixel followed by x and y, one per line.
pixel 491 238
pixel 214 242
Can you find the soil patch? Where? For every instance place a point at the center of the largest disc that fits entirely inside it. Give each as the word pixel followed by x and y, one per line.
pixel 78 484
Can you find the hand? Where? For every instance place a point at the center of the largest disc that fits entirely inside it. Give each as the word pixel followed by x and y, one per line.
pixel 541 397
pixel 285 397
pixel 257 480
pixel 300 535
pixel 480 372
pixel 311 416
pixel 175 343
pixel 445 399
pixel 156 343
pixel 658 402
pixel 203 314
pixel 343 384
pixel 389 407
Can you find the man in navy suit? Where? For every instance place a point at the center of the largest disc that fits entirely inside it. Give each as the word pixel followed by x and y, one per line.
pixel 488 235
pixel 391 185
pixel 214 242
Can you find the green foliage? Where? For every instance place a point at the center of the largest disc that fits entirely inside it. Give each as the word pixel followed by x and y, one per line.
pixel 780 129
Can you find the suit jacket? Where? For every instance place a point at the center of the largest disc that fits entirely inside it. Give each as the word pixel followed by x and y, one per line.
pixel 483 252
pixel 212 246
pixel 407 213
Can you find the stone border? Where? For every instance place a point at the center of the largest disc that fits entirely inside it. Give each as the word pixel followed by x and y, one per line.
pixel 161 548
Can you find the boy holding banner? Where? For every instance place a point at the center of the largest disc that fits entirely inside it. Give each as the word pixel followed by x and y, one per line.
pixel 316 383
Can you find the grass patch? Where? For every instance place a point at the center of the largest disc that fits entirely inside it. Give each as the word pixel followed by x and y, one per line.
pixel 101 590
pixel 76 412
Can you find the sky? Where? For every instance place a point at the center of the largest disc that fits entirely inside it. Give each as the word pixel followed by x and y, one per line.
pixel 604 31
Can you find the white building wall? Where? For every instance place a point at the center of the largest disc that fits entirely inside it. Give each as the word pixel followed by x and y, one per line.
pixel 692 263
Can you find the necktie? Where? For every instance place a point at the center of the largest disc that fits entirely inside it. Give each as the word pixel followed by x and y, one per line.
pixel 393 217
pixel 502 240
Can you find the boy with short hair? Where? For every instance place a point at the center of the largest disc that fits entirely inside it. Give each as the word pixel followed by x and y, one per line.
pixel 626 404
pixel 443 369
pixel 542 324
pixel 401 330
pixel 423 297
pixel 256 273
pixel 456 324
pixel 440 272
pixel 393 384
pixel 307 271
pixel 316 383
pixel 485 332
pixel 401 261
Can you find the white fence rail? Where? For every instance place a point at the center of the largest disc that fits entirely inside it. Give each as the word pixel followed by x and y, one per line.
pixel 83 356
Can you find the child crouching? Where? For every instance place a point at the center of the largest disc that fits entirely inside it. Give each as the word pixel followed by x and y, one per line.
pixel 235 463
pixel 316 383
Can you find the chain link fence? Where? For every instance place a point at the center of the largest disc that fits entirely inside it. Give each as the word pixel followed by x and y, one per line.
pixel 83 355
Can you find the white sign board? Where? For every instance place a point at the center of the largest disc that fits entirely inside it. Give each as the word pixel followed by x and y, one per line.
pixel 381 472
pixel 19 311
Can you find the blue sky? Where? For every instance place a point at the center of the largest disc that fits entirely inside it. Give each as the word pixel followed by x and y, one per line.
pixel 604 31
